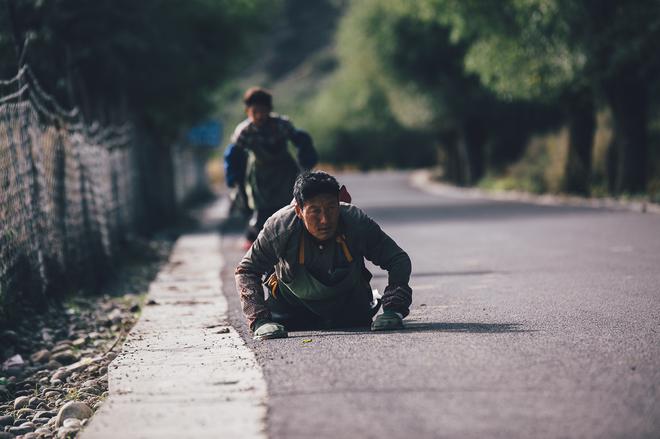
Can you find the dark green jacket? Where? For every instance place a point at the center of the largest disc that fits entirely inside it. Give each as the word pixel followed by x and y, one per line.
pixel 277 247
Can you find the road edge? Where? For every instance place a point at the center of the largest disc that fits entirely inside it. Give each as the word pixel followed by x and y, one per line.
pixel 184 371
pixel 422 179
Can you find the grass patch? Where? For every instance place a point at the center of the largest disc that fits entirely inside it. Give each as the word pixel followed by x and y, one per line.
pixel 540 170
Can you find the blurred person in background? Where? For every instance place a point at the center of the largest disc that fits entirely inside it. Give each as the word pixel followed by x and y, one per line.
pixel 258 162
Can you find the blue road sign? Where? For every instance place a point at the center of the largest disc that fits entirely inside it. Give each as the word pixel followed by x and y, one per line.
pixel 207 134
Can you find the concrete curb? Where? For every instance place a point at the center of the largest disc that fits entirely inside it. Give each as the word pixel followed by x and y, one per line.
pixel 423 180
pixel 183 371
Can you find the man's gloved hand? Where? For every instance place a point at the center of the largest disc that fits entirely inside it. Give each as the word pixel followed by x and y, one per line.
pixel 386 321
pixel 266 329
pixel 397 298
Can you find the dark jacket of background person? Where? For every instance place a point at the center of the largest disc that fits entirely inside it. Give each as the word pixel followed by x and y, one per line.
pixel 259 158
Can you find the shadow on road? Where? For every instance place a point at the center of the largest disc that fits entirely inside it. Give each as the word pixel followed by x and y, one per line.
pixel 414 275
pixel 410 327
pixel 489 328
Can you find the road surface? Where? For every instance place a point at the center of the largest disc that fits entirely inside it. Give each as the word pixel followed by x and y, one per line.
pixel 528 321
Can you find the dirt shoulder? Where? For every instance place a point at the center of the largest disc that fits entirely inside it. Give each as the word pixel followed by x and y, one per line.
pixel 54 363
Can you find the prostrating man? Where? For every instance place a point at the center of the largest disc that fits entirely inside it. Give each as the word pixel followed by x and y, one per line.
pixel 314 250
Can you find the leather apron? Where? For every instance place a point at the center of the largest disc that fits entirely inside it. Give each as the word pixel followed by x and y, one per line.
pixel 328 302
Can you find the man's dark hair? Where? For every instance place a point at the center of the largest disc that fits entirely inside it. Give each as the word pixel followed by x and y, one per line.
pixel 312 183
pixel 258 96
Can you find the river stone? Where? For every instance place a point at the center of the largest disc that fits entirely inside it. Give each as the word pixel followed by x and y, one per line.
pixel 21 402
pixel 90 383
pixel 61 347
pixel 79 365
pixel 32 435
pixel 34 402
pixel 40 421
pixel 6 420
pixel 79 342
pixel 115 316
pixel 41 356
pixel 24 413
pixel 92 390
pixel 65 357
pixel 72 423
pixel 73 409
pixel 67 432
pixel 6 435
pixel 20 430
pixel 61 374
pixel 45 414
pixel 52 365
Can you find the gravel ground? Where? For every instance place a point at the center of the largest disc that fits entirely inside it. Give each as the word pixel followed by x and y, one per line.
pixel 54 364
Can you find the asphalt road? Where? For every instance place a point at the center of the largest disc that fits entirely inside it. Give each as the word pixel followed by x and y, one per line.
pixel 527 321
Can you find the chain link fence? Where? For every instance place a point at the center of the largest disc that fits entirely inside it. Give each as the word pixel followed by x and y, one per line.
pixel 69 194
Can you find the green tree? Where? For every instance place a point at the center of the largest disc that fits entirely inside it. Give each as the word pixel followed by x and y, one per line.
pixel 401 80
pixel 622 40
pixel 401 74
pixel 157 59
pixel 570 51
pixel 521 50
pixel 421 67
pixel 152 62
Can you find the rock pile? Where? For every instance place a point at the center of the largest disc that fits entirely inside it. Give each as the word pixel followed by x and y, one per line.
pixel 54 364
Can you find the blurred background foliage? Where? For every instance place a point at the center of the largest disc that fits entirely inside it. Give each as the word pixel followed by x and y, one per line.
pixel 541 95
pixel 153 61
pixel 153 65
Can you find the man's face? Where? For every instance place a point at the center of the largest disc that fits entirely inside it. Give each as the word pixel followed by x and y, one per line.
pixel 320 214
pixel 258 114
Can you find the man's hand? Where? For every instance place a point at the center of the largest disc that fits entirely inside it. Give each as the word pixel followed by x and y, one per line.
pixel 397 298
pixel 266 330
pixel 387 321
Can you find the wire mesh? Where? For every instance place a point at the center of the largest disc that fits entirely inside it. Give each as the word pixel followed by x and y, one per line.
pixel 69 195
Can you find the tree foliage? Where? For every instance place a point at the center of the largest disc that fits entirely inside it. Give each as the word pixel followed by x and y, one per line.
pixel 568 50
pixel 465 71
pixel 401 71
pixel 155 59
